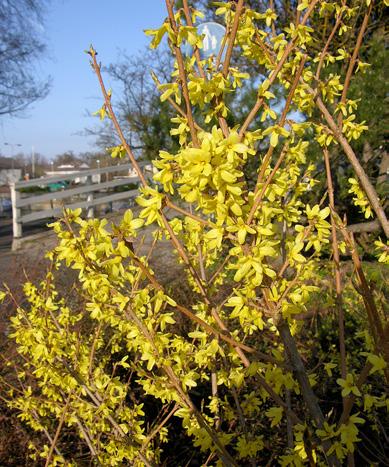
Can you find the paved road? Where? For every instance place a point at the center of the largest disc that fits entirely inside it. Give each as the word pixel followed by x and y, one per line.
pixel 28 229
pixel 41 225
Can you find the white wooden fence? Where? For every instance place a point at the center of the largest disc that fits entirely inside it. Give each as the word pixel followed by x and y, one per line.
pixel 22 200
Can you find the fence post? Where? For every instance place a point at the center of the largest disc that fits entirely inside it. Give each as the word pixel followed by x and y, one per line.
pixel 89 211
pixel 16 224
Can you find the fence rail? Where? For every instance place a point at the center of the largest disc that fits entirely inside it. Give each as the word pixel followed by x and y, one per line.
pixel 71 176
pixel 22 200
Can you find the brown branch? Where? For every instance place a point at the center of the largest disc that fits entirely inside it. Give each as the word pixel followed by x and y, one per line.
pixel 88 441
pixel 182 75
pixel 207 327
pixel 372 312
pixel 289 422
pixel 272 77
pixel 327 44
pixel 269 179
pixel 196 50
pixel 178 109
pixel 258 40
pixel 281 122
pixel 185 258
pixel 173 206
pixel 353 59
pixel 267 157
pixel 274 73
pixel 336 260
pixel 374 320
pixel 231 41
pixel 361 227
pixel 292 91
pixel 36 416
pixel 222 47
pixel 107 99
pixel 349 402
pixel 201 264
pixel 112 115
pixel 358 169
pixel 306 390
pixel 273 26
pixel 58 431
pixel 157 429
pixel 227 60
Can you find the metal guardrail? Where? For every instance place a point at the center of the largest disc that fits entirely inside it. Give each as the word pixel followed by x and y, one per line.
pixel 90 189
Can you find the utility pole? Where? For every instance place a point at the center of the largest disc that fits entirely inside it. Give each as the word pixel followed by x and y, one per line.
pixel 32 162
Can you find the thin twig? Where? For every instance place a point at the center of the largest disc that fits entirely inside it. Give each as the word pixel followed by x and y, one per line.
pixel 177 108
pixel 231 41
pixel 182 75
pixel 58 431
pixel 336 260
pixel 195 49
pixel 329 40
pixel 273 75
pixel 352 397
pixel 281 123
pixel 172 205
pixel 309 396
pixel 88 440
pixel 358 169
pixel 157 429
pixel 353 59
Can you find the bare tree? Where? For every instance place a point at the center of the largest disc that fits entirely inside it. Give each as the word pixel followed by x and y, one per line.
pixel 144 118
pixel 20 47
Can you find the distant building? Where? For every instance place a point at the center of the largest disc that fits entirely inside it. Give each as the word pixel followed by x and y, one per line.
pixel 10 172
pixel 69 169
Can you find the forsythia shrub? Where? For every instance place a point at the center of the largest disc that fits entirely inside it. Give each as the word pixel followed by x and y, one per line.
pixel 248 379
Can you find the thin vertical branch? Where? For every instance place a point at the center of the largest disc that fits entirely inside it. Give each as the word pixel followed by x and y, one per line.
pixel 358 169
pixel 273 26
pixel 269 179
pixel 374 320
pixel 214 392
pixel 350 400
pixel 336 260
pixel 107 99
pixel 267 158
pixel 353 59
pixel 182 75
pixel 214 389
pixel 306 390
pixel 176 107
pixel 289 422
pixel 88 440
pixel 185 398
pixel 222 47
pixel 274 73
pixel 195 50
pixel 231 40
pixel 329 40
pixel 58 431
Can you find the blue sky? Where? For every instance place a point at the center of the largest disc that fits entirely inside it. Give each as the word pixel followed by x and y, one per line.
pixel 51 125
